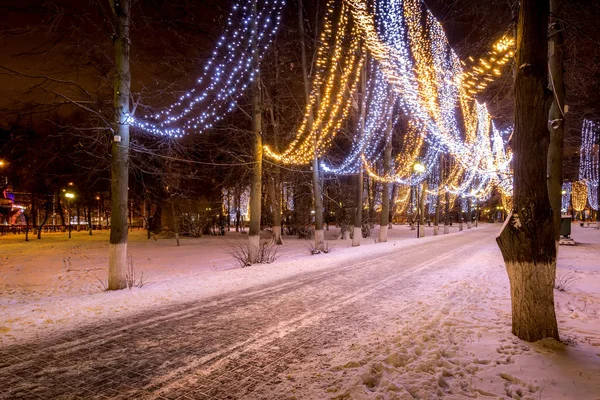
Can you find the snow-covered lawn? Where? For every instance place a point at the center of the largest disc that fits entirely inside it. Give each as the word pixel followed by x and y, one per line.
pixel 55 283
pixel 450 338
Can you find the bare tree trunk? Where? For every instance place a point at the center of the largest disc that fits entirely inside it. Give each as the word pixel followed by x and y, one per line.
pixel 357 233
pixel 318 196
pixel 557 118
pixel 47 209
pixel 358 220
pixel 175 221
pixel 148 220
pixel 256 187
pixel 237 200
pixel 393 206
pixel 460 214
pixel 469 217
pixel 27 218
pixel 385 196
pixel 89 217
pixel 275 181
pixel 422 209
pixel 78 217
pixel 117 262
pixel 436 218
pixel 527 238
pixel 412 207
pixel 316 177
pixel 274 196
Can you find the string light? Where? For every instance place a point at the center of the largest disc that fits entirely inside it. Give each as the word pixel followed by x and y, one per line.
pixel 588 164
pixel 566 197
pixel 578 195
pixel 226 75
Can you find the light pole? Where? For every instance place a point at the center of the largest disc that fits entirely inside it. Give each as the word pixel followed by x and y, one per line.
pixel 419 168
pixel 70 196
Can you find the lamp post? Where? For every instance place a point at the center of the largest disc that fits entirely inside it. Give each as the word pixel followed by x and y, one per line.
pixel 419 168
pixel 70 196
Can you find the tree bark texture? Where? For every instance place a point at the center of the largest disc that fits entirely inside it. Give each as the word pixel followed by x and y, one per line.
pixel 385 196
pixel 556 117
pixel 422 197
pixel 175 221
pixel 459 214
pixel 357 232
pixel 316 177
pixel 436 220
pixel 527 238
pixel 393 207
pixel 275 197
pixel 469 213
pixel 119 167
pixel 256 186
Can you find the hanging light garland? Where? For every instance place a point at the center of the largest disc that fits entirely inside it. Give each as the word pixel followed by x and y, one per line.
pixel 566 197
pixel 226 75
pixel 507 202
pixel 412 67
pixel 578 195
pixel 588 165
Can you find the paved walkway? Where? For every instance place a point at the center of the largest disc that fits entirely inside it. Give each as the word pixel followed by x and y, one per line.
pixel 237 346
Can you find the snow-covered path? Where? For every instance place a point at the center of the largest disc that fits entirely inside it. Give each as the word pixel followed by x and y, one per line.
pixel 415 319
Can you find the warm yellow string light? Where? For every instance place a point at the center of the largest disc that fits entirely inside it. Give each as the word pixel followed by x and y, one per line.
pixel 579 195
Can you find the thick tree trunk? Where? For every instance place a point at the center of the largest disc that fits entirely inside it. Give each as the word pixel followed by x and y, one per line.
pixel 357 232
pixel 527 238
pixel 274 196
pixel 469 216
pixel 117 261
pixel 41 225
pixel 385 195
pixel 318 197
pixel 316 177
pixel 393 206
pixel 256 187
pixel 275 181
pixel 556 117
pixel 421 206
pixel 78 217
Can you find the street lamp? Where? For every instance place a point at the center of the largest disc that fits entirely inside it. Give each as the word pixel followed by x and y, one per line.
pixel 70 196
pixel 419 168
pixel 2 163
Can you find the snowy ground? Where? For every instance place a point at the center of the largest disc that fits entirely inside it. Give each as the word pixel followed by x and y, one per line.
pixel 400 320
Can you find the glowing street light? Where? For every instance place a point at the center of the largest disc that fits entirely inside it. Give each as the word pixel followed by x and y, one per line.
pixel 69 195
pixel 2 163
pixel 418 167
